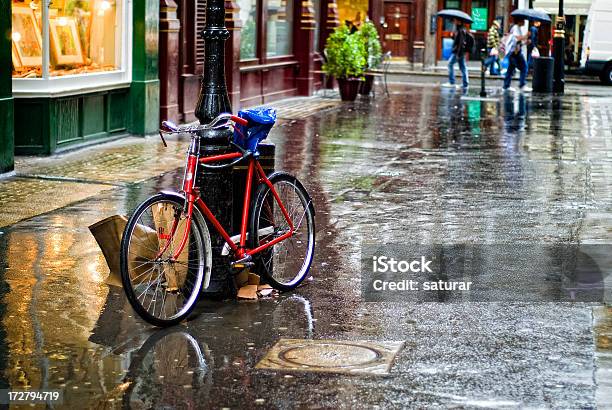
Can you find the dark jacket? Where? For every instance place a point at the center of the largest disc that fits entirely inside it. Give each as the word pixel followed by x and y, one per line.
pixel 533 37
pixel 459 41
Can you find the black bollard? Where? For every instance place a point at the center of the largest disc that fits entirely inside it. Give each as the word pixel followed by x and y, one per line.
pixel 559 50
pixel 222 189
pixel 216 185
pixel 543 68
pixel 483 69
pixel 216 189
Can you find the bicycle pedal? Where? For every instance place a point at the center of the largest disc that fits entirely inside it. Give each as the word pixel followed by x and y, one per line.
pixel 242 265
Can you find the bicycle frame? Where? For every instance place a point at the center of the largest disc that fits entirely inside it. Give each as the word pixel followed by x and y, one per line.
pixel 193 198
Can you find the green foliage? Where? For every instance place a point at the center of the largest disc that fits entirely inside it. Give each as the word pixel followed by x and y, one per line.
pixel 369 35
pixel 248 38
pixel 345 54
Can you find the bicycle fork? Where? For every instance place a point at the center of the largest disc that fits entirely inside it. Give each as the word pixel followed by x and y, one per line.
pixel 189 178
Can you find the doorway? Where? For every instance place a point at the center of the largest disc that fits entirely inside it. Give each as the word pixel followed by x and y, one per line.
pixel 396 33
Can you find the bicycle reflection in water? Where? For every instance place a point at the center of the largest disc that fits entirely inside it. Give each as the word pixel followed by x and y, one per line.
pixel 174 367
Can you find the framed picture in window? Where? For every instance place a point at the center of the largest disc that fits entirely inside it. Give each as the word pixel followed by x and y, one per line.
pixel 16 61
pixel 26 36
pixel 38 14
pixel 65 41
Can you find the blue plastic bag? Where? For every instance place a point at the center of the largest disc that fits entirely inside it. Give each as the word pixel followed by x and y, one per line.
pixel 504 65
pixel 261 120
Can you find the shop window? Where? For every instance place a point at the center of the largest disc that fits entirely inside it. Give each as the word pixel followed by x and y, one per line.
pixel 352 12
pixel 450 4
pixel 278 27
pixel 248 33
pixel 316 5
pixel 84 36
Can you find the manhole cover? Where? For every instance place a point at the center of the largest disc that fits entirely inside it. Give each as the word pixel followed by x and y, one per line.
pixel 335 356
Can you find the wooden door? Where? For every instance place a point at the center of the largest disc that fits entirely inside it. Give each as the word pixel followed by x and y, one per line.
pixel 396 28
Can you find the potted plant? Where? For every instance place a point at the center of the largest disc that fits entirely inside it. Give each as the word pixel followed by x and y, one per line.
pixel 373 53
pixel 345 61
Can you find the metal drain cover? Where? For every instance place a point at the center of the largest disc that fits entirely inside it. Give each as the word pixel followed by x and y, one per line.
pixel 335 356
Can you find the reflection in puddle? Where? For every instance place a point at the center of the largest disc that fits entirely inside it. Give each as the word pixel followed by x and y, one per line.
pixel 170 370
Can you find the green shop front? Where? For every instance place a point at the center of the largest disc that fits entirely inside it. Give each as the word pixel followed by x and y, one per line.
pixel 83 71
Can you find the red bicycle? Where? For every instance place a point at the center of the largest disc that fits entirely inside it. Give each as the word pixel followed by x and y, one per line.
pixel 166 253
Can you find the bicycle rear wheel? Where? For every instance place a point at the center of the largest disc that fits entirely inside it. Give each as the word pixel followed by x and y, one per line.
pixel 161 289
pixel 286 263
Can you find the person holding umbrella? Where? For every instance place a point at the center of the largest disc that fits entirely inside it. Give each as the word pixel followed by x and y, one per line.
pixel 458 55
pixel 462 42
pixel 520 36
pixel 517 54
pixel 533 42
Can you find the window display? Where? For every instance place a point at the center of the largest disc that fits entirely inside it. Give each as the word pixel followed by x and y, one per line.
pixel 316 6
pixel 279 26
pixel 248 33
pixel 84 37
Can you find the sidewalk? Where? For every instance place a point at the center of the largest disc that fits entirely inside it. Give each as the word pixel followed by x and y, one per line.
pixel 42 184
pixel 441 71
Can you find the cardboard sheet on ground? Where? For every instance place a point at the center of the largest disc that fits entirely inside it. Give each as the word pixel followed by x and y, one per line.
pixel 108 233
pixel 163 217
pixel 250 287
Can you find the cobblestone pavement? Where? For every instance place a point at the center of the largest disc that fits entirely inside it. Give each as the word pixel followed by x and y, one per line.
pixel 46 183
pixel 423 165
pixel 299 108
pixel 23 198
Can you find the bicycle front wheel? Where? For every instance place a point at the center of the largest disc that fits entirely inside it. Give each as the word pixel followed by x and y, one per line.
pixel 286 263
pixel 163 289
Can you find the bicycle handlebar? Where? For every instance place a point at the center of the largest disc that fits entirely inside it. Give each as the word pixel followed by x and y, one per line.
pixel 221 121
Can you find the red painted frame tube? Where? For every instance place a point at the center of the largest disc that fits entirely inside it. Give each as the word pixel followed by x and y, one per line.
pixel 217 225
pixel 215 158
pixel 247 202
pixel 266 181
pixel 272 242
pixel 254 166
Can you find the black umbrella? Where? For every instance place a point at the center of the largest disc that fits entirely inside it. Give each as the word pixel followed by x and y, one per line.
pixel 531 14
pixel 455 14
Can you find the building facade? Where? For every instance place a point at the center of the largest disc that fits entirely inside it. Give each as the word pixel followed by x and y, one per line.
pixel 576 13
pixel 90 70
pixel 81 71
pixel 6 94
pixel 273 51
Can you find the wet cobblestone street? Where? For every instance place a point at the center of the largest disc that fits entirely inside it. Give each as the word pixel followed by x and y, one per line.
pixel 422 166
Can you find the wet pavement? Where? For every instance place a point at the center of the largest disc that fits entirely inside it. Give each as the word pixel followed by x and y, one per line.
pixel 423 165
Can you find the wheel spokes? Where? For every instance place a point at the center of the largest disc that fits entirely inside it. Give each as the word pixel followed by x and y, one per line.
pixel 164 287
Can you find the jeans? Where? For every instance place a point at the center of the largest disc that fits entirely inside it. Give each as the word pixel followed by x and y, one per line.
pixel 529 58
pixel 490 63
pixel 516 60
pixel 451 69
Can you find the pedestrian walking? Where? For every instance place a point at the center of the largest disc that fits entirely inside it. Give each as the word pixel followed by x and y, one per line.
pixel 517 50
pixel 532 42
pixel 460 47
pixel 493 49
